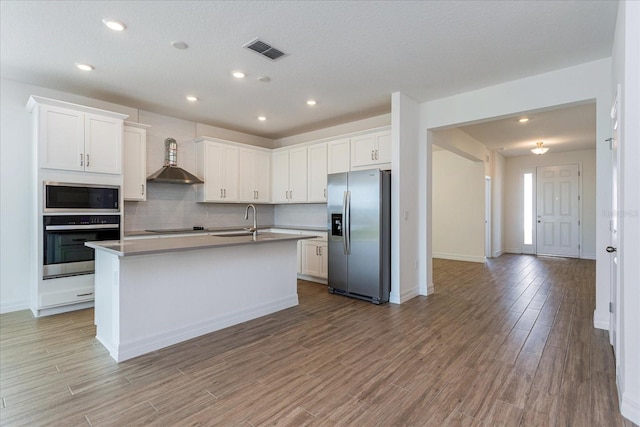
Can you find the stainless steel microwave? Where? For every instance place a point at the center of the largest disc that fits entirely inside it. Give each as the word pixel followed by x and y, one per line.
pixel 62 197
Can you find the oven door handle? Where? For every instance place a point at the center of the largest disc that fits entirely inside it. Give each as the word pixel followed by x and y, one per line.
pixel 82 227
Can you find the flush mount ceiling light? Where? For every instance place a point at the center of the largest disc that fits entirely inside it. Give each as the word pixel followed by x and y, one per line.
pixel 262 118
pixel 179 45
pixel 264 79
pixel 191 98
pixel 85 67
pixel 524 120
pixel 539 150
pixel 311 102
pixel 114 25
pixel 238 74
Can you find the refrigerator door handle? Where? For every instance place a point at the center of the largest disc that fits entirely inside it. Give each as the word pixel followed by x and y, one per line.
pixel 346 213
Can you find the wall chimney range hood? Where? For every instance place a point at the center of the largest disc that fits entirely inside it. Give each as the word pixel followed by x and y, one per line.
pixel 170 173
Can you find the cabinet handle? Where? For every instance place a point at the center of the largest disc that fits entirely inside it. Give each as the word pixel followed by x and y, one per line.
pixel 142 189
pixel 225 193
pixel 324 192
pixel 84 295
pixel 376 154
pixel 81 163
pixel 87 160
pixel 372 155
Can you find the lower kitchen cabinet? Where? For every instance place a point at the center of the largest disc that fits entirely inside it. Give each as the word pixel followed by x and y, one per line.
pixel 314 258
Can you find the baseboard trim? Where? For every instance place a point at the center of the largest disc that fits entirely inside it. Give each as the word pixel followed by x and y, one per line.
pixel 131 349
pixel 395 298
pixel 11 306
pixel 457 257
pixel 426 290
pixel 630 407
pixel 600 320
pixel 496 254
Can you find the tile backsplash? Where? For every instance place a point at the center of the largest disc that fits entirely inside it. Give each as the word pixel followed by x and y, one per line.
pixel 174 206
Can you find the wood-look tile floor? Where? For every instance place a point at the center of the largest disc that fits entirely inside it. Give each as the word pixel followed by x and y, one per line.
pixel 506 343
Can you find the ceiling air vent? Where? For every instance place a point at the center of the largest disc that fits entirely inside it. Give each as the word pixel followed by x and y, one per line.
pixel 264 49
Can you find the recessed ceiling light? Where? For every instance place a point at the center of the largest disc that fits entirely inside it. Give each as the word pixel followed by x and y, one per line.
pixel 262 118
pixel 85 67
pixel 192 98
pixel 179 45
pixel 114 25
pixel 264 79
pixel 524 120
pixel 311 102
pixel 238 74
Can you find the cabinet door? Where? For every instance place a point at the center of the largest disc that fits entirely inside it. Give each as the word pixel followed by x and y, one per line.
pixel 338 156
pixel 317 173
pixel 213 174
pixel 61 135
pixel 262 179
pixel 383 144
pixel 102 144
pixel 134 163
pixel 247 175
pixel 280 176
pixel 363 150
pixel 311 258
pixel 324 259
pixel 230 165
pixel 298 175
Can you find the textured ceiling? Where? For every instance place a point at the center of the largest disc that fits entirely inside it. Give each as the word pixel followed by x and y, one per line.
pixel 348 55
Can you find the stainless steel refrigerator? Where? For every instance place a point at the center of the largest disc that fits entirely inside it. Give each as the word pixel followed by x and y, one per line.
pixel 359 212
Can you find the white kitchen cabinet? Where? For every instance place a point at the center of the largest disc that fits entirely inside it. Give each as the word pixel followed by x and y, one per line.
pixel 255 175
pixel 134 162
pixel 218 165
pixel 371 149
pixel 77 138
pixel 314 258
pixel 339 156
pixel 317 173
pixel 289 175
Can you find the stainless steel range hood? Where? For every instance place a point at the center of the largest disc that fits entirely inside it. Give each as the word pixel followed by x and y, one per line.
pixel 170 173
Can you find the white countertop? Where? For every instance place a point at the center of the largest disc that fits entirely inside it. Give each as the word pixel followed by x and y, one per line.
pixel 137 233
pixel 125 248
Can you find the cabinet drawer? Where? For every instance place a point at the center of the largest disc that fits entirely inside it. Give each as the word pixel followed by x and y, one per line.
pixel 70 296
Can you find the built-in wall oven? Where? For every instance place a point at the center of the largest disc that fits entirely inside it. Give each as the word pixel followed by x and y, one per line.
pixel 64 252
pixel 72 215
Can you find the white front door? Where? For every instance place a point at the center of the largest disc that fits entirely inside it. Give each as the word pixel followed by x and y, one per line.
pixel 558 211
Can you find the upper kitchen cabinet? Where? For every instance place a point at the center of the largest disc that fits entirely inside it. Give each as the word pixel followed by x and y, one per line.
pixel 289 175
pixel 317 173
pixel 218 164
pixel 77 138
pixel 135 161
pixel 372 149
pixel 255 175
pixel 339 156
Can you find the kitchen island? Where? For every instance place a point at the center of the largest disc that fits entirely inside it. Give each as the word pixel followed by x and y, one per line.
pixel 153 293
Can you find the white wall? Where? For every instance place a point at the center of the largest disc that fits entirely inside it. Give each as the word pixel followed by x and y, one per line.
pixel 16 165
pixel 626 72
pixel 404 200
pixel 458 207
pixel 566 86
pixel 335 131
pixel 498 207
pixel 513 196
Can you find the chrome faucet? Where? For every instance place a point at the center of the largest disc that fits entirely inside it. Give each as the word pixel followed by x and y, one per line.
pixel 253 229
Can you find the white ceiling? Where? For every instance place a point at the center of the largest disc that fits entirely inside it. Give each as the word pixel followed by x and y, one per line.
pixel 563 129
pixel 348 55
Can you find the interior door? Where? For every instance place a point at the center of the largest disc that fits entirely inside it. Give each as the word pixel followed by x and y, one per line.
pixel 613 223
pixel 558 211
